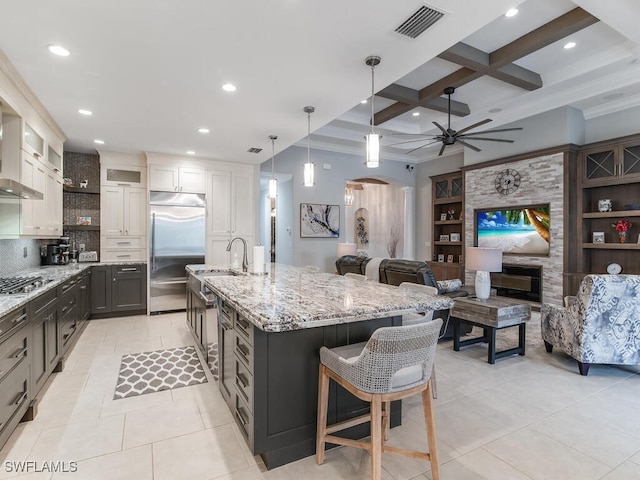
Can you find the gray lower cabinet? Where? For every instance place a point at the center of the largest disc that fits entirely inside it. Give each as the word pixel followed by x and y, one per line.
pixel 15 388
pixel 118 289
pixel 270 382
pixel 45 337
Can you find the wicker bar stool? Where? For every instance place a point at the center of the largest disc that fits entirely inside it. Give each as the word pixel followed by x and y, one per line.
pixel 395 363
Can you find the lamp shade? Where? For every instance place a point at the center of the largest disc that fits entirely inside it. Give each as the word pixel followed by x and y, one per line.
pixel 373 149
pixel 484 259
pixel 346 249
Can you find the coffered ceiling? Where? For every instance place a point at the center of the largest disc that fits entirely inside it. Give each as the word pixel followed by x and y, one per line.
pixel 151 71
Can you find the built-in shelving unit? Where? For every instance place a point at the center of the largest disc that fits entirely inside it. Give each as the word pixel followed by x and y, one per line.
pixel 448 196
pixel 608 170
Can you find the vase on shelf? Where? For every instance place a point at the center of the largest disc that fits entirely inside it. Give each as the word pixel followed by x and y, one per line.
pixel 622 237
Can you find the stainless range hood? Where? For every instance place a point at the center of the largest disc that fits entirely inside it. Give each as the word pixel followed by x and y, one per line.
pixel 11 188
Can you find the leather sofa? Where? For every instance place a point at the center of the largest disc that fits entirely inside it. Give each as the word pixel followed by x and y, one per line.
pixel 394 271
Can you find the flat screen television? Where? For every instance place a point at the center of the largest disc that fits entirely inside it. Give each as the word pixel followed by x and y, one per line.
pixel 517 230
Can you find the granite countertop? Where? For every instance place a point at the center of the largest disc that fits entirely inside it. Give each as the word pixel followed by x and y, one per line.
pixel 292 298
pixel 53 275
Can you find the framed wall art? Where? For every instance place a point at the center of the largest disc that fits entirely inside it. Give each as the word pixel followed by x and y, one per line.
pixel 319 220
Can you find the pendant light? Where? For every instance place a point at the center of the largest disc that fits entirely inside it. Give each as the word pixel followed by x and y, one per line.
pixel 273 183
pixel 372 138
pixel 309 167
pixel 348 196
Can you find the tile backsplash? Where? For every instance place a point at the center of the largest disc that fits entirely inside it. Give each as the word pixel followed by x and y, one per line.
pixel 13 259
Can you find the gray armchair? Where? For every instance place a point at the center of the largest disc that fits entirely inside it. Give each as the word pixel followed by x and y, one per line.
pixel 601 324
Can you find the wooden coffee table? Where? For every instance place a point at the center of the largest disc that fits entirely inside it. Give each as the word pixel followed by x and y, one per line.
pixel 491 315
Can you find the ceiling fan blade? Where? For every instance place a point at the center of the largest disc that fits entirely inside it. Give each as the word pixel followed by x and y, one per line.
pixel 442 149
pixel 475 149
pixel 486 139
pixel 441 128
pixel 409 141
pixel 497 130
pixel 422 146
pixel 410 134
pixel 477 124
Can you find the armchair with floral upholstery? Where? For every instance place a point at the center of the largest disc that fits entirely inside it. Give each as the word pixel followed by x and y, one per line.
pixel 601 324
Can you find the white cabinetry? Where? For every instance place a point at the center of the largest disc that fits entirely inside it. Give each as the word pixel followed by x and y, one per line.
pixel 165 178
pixel 123 207
pixel 230 213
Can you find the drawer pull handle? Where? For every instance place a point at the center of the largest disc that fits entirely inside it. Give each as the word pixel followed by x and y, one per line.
pixel 20 398
pixel 124 243
pixel 133 269
pixel 243 380
pixel 243 323
pixel 20 353
pixel 243 420
pixel 18 319
pixel 124 256
pixel 1 373
pixel 243 350
pixel 64 309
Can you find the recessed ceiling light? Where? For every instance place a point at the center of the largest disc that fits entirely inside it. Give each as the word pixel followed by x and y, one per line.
pixel 82 111
pixel 229 87
pixel 569 45
pixel 364 101
pixel 512 12
pixel 416 114
pixel 99 142
pixel 190 152
pixel 58 50
pixel 495 110
pixel 203 130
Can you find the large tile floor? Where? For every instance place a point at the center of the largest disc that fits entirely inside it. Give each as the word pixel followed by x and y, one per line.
pixel 530 417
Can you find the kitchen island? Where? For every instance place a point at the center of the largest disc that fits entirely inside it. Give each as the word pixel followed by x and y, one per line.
pixel 270 329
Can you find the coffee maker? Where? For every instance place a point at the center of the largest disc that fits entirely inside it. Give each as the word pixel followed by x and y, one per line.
pixel 55 253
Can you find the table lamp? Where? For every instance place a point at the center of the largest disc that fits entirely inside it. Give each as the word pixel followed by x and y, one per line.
pixel 483 261
pixel 346 249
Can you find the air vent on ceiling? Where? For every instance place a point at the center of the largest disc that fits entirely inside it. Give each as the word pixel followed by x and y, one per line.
pixel 417 23
pixel 254 150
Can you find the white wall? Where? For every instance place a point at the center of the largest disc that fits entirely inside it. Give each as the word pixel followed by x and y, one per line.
pixel 620 124
pixel 328 189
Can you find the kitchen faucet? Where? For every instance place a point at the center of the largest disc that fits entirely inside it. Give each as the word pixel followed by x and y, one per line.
pixel 245 263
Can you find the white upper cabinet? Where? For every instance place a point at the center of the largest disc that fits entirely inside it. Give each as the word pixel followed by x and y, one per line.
pixel 218 203
pixel 176 179
pixel 32 142
pixel 123 211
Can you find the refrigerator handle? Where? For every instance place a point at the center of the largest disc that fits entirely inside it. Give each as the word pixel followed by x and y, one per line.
pixel 153 242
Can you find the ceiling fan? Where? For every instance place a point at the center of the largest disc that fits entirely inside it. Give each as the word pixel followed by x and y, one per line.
pixel 451 137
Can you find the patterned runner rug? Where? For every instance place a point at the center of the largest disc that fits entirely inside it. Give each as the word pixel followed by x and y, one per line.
pixel 149 372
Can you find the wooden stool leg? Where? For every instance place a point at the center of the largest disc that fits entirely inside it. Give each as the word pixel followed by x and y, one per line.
pixel 431 433
pixel 323 400
pixel 386 419
pixel 376 438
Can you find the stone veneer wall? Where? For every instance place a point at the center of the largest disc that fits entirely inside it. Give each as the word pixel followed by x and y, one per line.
pixel 541 182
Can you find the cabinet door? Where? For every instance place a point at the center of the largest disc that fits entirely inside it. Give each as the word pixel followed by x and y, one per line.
pixel 53 338
pixel 84 303
pixel 217 251
pixel 111 211
pixel 630 161
pixel 599 165
pixel 135 211
pixel 33 212
pixel 163 179
pixel 226 359
pixel 101 281
pixel 219 203
pixel 129 288
pixel 37 351
pixel 52 206
pixel 192 180
pixel 242 222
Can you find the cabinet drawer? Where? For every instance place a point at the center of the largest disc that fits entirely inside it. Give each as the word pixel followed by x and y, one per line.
pixel 12 352
pixel 244 351
pixel 14 393
pixel 128 269
pixel 122 243
pixel 225 310
pixel 124 255
pixel 244 419
pixel 244 384
pixel 245 329
pixel 13 321
pixel 43 301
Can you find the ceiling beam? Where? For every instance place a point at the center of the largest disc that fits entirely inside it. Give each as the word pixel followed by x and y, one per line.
pixel 497 64
pixel 409 95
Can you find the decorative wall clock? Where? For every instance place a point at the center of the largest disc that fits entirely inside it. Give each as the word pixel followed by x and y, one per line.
pixel 507 181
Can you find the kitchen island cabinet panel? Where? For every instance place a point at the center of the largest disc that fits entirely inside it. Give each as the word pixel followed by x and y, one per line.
pixel 101 289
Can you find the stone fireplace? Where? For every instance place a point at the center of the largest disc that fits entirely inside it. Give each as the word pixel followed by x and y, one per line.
pixel 541 182
pixel 519 281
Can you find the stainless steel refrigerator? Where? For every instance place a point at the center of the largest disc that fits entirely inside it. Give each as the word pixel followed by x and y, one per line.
pixel 177 238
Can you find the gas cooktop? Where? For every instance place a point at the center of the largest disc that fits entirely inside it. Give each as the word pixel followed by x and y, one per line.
pixel 13 285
